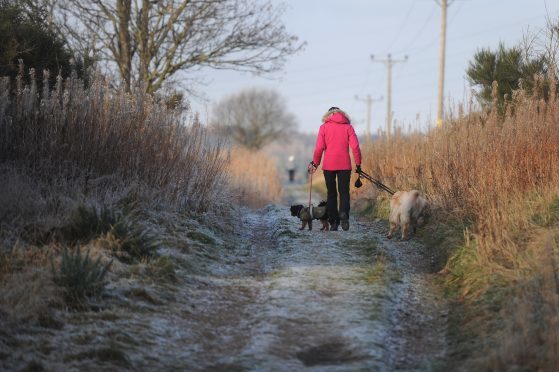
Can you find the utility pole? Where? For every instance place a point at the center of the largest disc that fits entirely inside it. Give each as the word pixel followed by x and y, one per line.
pixel 388 62
pixel 442 54
pixel 369 101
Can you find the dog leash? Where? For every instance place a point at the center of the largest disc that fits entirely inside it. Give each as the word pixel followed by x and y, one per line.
pixel 310 196
pixel 376 182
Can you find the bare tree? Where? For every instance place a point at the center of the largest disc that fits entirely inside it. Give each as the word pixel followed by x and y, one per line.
pixel 150 41
pixel 254 117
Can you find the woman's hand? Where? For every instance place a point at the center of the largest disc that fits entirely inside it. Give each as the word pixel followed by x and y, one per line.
pixel 312 167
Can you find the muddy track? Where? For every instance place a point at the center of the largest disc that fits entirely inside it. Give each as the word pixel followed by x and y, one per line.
pixel 276 299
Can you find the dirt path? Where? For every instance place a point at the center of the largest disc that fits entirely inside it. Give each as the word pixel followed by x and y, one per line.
pixel 334 301
pixel 279 299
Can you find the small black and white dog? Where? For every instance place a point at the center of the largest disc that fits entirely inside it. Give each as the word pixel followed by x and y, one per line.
pixel 319 213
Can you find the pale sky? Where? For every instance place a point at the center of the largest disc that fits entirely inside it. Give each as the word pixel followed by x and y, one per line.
pixel 341 36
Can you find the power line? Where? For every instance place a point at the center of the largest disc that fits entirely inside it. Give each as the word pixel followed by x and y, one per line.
pixel 402 26
pixel 465 35
pixel 420 32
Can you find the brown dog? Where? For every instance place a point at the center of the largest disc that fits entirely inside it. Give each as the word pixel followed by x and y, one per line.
pixel 406 209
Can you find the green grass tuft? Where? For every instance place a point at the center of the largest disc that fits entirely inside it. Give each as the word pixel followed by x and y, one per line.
pixel 137 242
pixel 163 268
pixel 380 209
pixel 554 211
pixel 549 217
pixel 200 237
pixel 80 276
pixel 377 273
pixel 88 222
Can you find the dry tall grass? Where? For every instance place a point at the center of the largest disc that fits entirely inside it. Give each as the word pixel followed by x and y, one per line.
pixel 500 174
pixel 74 145
pixel 254 178
pixel 480 167
pixel 99 132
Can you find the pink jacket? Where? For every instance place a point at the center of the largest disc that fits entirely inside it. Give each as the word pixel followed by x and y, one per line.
pixel 335 136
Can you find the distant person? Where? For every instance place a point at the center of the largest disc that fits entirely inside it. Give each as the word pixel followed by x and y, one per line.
pixel 291 168
pixel 335 137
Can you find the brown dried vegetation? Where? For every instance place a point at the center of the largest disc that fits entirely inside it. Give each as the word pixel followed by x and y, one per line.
pixel 254 178
pixel 496 177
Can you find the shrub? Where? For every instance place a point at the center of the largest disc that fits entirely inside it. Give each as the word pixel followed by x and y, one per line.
pixel 80 276
pixel 25 35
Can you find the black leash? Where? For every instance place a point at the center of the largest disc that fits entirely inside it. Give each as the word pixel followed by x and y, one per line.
pixel 377 183
pixel 310 195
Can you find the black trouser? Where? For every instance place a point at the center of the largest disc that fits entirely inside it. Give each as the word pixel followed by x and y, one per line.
pixel 344 177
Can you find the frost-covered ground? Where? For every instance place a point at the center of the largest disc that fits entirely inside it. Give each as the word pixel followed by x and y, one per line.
pixel 270 298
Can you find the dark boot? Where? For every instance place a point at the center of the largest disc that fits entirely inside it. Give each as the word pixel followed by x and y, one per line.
pixel 344 218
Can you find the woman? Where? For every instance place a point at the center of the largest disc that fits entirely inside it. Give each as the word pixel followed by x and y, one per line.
pixel 335 136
